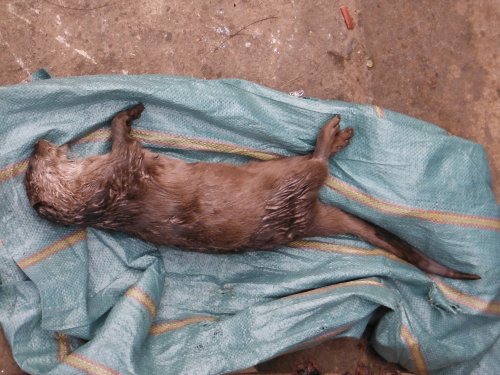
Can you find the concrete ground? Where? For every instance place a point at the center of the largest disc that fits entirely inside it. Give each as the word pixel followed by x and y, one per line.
pixel 436 60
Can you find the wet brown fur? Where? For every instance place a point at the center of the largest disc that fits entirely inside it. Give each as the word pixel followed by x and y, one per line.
pixel 202 206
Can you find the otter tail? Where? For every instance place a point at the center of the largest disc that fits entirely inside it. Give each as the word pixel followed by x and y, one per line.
pixel 381 237
pixel 330 220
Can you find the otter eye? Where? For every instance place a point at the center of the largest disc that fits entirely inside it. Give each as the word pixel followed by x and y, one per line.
pixel 37 205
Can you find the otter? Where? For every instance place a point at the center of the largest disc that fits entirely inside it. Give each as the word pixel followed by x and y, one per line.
pixel 213 207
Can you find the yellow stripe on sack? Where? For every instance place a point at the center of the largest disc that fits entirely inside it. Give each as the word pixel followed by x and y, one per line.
pixel 160 328
pixel 143 298
pixel 394 209
pixel 329 288
pixel 476 303
pixel 182 142
pixel 415 351
pixel 473 302
pixel 13 170
pixel 379 111
pixel 149 136
pixel 63 346
pixel 90 367
pixel 344 249
pixel 50 250
pixel 97 135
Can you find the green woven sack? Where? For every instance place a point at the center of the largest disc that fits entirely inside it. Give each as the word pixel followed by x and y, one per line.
pixel 76 300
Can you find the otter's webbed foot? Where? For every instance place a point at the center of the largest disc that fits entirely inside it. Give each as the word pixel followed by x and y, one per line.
pixel 122 123
pixel 331 139
pixel 341 140
pixel 134 113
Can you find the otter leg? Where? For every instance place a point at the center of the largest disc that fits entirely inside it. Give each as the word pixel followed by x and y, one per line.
pixel 122 123
pixel 331 139
pixel 126 161
pixel 331 220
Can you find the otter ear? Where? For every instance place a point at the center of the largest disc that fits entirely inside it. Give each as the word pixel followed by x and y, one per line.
pixel 49 212
pixel 41 207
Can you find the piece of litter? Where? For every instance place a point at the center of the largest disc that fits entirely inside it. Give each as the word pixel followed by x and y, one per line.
pixel 222 30
pixel 297 93
pixel 347 17
pixel 369 63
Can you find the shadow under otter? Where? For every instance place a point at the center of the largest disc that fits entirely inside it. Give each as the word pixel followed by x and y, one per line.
pixel 203 206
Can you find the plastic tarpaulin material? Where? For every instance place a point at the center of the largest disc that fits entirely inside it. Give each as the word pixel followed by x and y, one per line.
pixel 76 300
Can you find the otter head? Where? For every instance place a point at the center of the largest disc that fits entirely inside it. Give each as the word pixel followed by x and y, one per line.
pixel 46 182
